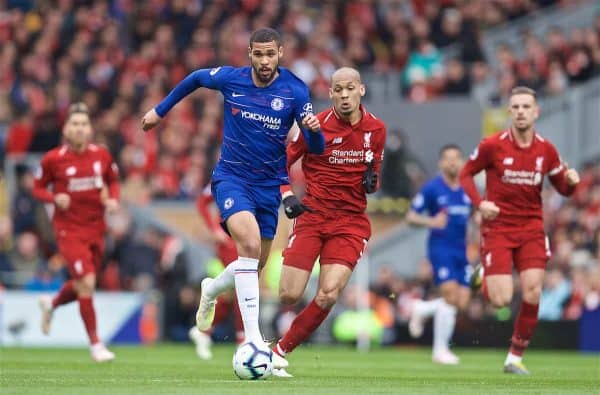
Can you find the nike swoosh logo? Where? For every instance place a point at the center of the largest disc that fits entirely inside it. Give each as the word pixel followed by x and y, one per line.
pixel 249 299
pixel 237 94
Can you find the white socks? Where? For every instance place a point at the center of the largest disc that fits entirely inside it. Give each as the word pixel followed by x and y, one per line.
pixel 443 325
pixel 426 308
pixel 222 282
pixel 247 290
pixel 512 358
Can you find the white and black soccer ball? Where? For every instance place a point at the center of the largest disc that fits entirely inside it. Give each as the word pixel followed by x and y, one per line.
pixel 253 361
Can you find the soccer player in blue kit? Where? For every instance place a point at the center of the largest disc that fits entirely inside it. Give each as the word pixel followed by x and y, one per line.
pixel 448 211
pixel 261 103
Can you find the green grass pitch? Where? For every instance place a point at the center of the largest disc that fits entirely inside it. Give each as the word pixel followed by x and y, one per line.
pixel 174 369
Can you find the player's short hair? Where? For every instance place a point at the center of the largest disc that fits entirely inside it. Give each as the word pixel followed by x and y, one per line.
pixel 449 147
pixel 523 90
pixel 78 108
pixel 265 35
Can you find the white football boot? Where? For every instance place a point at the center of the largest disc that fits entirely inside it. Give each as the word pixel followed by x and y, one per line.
pixel 100 353
pixel 445 357
pixel 281 373
pixel 206 309
pixel 202 342
pixel 416 325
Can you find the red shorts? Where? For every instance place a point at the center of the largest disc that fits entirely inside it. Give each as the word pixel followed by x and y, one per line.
pixel 335 238
pixel 227 252
pixel 83 256
pixel 526 250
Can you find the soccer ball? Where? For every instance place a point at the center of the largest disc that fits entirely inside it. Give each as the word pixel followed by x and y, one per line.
pixel 253 361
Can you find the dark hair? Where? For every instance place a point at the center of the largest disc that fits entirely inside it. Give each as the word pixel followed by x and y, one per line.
pixel 448 147
pixel 78 108
pixel 265 35
pixel 523 90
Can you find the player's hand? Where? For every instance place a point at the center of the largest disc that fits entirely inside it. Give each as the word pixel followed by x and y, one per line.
pixel 311 122
pixel 488 210
pixel 439 221
pixel 62 201
pixel 370 178
pixel 293 208
pixel 572 176
pixel 150 120
pixel 111 205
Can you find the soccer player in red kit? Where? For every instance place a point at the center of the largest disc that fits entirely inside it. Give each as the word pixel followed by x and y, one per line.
pixel 226 252
pixel 335 226
pixel 512 230
pixel 85 183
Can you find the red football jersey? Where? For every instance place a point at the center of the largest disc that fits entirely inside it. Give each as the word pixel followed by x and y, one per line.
pixel 334 178
pixel 82 176
pixel 514 178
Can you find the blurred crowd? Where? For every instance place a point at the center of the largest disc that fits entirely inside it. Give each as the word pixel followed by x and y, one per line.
pixel 121 57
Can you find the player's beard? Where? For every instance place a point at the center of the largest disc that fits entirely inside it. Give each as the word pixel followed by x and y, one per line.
pixel 346 112
pixel 269 78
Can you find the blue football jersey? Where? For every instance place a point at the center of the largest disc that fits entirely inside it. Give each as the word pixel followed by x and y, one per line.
pixel 256 120
pixel 436 196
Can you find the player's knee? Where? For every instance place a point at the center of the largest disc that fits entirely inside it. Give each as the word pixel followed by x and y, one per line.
pixel 326 298
pixel 288 296
pixel 85 287
pixel 451 299
pixel 532 294
pixel 86 291
pixel 249 247
pixel 500 299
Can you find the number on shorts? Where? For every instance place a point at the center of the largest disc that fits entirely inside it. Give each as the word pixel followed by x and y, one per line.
pixel 78 267
pixel 291 241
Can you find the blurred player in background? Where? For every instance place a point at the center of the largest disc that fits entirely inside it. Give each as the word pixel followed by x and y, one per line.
pixel 335 228
pixel 226 253
pixel 261 102
pixel 512 232
pixel 448 211
pixel 85 183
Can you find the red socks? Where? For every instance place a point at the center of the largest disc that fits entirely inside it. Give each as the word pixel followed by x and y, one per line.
pixel 302 327
pixel 88 315
pixel 524 326
pixel 65 295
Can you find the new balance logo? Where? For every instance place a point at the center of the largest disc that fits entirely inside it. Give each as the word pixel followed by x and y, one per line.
pixel 337 140
pixel 508 161
pixel 237 94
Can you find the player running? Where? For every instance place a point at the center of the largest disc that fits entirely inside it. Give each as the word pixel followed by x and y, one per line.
pixel 448 211
pixel 226 253
pixel 336 229
pixel 512 232
pixel 261 102
pixel 85 183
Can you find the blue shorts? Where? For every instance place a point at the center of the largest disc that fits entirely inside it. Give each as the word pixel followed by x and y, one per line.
pixel 450 264
pixel 234 195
